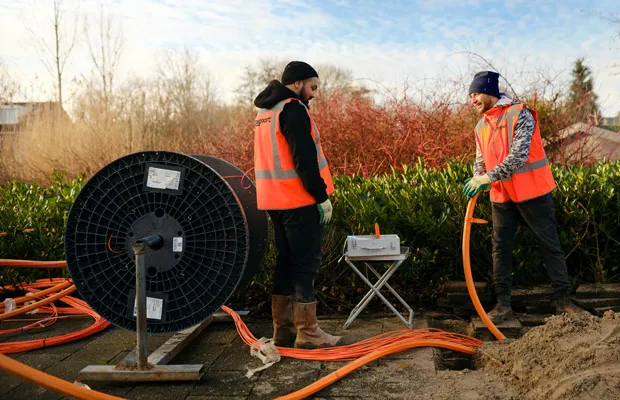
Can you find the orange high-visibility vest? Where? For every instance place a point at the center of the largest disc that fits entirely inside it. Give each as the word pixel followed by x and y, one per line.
pixel 494 133
pixel 278 187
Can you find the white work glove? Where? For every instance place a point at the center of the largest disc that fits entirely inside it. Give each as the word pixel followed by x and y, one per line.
pixel 476 184
pixel 325 211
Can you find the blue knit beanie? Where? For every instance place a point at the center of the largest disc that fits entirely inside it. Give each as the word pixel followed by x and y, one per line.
pixel 486 82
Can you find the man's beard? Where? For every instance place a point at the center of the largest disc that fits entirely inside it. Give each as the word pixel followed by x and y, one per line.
pixel 304 99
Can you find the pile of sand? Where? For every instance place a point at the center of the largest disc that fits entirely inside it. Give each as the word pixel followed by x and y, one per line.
pixel 576 356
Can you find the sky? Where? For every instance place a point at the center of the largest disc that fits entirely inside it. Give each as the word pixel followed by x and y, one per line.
pixel 387 44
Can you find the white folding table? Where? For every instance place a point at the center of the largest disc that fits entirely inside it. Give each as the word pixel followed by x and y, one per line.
pixel 375 289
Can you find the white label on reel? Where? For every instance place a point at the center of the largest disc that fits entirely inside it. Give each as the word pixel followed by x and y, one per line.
pixel 163 178
pixel 154 308
pixel 177 244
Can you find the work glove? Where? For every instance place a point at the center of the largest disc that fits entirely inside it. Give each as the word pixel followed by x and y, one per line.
pixel 476 184
pixel 325 211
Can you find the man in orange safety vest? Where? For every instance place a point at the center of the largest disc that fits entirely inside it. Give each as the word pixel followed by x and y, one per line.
pixel 293 184
pixel 511 160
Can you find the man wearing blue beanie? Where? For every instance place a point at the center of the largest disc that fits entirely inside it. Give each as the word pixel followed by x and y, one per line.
pixel 511 160
pixel 486 82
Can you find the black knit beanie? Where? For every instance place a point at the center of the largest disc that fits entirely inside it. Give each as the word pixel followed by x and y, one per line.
pixel 297 71
pixel 486 82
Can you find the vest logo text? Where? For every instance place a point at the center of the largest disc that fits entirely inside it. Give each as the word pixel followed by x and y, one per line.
pixel 262 121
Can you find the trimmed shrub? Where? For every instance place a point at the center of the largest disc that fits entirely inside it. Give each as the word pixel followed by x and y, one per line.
pixel 423 205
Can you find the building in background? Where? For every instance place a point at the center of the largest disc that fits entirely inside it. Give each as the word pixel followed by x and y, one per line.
pixel 14 118
pixel 585 143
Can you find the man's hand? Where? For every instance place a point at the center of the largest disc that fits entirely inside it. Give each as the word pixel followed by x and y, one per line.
pixel 476 184
pixel 325 211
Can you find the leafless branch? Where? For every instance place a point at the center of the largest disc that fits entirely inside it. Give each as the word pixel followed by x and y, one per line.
pixel 54 55
pixel 105 49
pixel 487 62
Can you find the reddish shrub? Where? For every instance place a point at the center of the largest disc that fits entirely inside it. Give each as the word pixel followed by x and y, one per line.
pixel 368 139
pixel 359 136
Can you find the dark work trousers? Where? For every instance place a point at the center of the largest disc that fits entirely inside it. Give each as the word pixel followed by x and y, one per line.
pixel 298 235
pixel 539 215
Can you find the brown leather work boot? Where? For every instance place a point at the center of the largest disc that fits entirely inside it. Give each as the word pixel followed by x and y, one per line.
pixel 309 335
pixel 284 331
pixel 500 313
pixel 564 304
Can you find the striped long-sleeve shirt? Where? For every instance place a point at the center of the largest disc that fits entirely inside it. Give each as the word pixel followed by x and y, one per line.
pixel 519 151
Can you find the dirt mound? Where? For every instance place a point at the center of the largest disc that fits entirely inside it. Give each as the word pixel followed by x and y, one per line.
pixel 570 357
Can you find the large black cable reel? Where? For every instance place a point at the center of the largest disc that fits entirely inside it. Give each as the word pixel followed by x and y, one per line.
pixel 210 238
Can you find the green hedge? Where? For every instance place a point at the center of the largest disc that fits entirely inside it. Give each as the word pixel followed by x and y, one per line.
pixel 32 221
pixel 427 209
pixel 424 206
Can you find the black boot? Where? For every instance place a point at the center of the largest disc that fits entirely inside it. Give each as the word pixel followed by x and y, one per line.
pixel 502 310
pixel 564 304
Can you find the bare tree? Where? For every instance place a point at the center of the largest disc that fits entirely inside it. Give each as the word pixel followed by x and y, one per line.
pixel 55 54
pixel 615 20
pixel 256 78
pixel 185 90
pixel 8 86
pixel 333 77
pixel 105 47
pixel 488 63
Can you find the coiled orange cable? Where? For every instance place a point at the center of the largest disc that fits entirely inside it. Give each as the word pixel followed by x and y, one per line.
pixel 53 289
pixel 364 351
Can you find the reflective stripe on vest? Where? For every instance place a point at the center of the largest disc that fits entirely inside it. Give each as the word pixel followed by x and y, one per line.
pixel 530 167
pixel 278 172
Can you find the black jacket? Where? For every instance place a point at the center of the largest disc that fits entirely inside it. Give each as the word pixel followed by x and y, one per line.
pixel 295 126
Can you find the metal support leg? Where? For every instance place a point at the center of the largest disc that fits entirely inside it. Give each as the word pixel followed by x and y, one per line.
pixel 141 347
pixel 375 290
pixel 409 323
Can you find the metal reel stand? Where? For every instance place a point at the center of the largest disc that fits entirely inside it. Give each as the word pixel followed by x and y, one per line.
pixel 136 366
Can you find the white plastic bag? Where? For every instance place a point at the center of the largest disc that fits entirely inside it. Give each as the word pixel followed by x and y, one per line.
pixel 29 302
pixel 81 384
pixel 266 351
pixel 9 305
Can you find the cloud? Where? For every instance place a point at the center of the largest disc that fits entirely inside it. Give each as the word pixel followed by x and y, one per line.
pixel 389 42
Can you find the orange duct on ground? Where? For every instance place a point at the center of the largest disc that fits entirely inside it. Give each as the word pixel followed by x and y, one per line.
pixel 53 289
pixel 347 369
pixel 38 304
pixel 31 264
pixel 51 382
pixel 365 351
pixel 63 285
